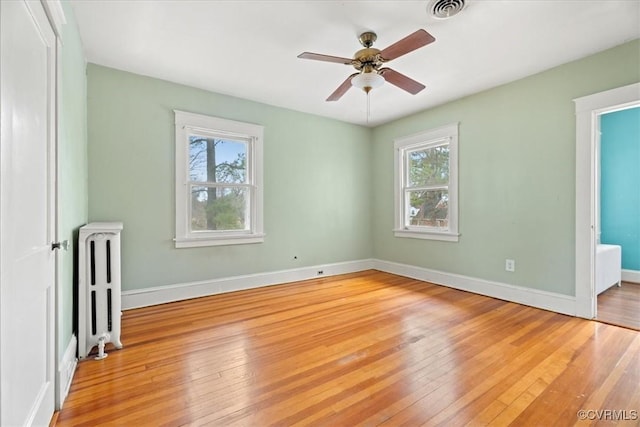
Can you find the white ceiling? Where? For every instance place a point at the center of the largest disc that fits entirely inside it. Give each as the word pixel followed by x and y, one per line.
pixel 249 49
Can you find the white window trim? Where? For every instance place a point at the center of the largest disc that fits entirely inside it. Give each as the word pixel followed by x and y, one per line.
pixel 186 122
pixel 401 145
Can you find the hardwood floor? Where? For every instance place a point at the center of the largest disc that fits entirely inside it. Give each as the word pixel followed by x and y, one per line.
pixel 620 305
pixel 362 349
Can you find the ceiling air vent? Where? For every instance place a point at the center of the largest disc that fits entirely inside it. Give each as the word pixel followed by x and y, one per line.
pixel 443 9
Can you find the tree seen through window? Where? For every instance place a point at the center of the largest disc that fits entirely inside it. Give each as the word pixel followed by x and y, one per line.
pixel 218 182
pixel 428 171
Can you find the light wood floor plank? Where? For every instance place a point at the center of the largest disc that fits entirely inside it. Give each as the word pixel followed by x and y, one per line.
pixel 621 305
pixel 362 349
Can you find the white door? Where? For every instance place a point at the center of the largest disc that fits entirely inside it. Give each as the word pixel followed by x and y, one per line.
pixel 27 197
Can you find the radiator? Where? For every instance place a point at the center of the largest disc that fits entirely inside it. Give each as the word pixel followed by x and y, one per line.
pixel 608 267
pixel 99 287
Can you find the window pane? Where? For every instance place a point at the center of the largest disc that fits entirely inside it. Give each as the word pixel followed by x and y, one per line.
pixel 429 166
pixel 219 208
pixel 429 208
pixel 217 160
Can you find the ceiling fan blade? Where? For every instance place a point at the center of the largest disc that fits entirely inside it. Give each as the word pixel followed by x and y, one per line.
pixel 400 80
pixel 342 89
pixel 408 44
pixel 326 58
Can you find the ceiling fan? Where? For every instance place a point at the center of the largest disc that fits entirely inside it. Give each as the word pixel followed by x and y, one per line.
pixel 369 61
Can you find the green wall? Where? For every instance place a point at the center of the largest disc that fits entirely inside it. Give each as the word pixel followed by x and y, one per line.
pixel 317 182
pixel 72 161
pixel 517 175
pixel 329 185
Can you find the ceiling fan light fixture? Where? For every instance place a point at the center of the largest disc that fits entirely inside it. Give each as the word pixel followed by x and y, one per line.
pixel 367 81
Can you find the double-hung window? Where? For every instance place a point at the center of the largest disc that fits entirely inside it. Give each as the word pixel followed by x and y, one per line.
pixel 218 181
pixel 426 185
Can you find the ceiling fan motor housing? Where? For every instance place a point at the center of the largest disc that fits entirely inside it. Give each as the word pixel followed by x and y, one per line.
pixel 367 57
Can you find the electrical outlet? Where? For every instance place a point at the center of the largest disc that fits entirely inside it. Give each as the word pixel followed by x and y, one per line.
pixel 320 272
pixel 510 265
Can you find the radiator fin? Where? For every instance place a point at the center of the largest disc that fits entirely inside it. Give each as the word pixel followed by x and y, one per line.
pixel 109 311
pixel 94 326
pixel 108 261
pixel 92 267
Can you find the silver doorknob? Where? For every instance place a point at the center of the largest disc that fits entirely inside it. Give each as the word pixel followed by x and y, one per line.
pixel 60 245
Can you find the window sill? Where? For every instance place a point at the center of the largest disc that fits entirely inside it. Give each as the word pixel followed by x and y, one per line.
pixel 225 240
pixel 427 235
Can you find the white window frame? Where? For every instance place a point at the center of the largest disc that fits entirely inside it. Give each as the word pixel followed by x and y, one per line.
pixel 447 134
pixel 189 123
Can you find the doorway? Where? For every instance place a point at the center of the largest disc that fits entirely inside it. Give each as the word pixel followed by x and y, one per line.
pixel 618 217
pixel 589 110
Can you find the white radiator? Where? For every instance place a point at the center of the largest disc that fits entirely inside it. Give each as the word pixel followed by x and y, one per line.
pixel 608 267
pixel 99 304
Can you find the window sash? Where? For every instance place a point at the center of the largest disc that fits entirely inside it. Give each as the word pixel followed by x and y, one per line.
pixel 250 141
pixel 407 212
pixel 406 153
pixel 249 213
pixel 407 188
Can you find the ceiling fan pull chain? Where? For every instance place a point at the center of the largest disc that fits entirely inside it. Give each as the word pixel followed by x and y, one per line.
pixel 368 106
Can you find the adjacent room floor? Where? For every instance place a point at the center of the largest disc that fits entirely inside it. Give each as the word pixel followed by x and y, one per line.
pixel 369 348
pixel 620 305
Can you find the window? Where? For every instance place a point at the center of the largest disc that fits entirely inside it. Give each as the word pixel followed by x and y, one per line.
pixel 426 189
pixel 218 181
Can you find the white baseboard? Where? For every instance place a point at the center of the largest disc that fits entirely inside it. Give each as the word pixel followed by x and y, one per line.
pixel 631 276
pixel 163 294
pixel 66 370
pixel 551 301
pixel 559 303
